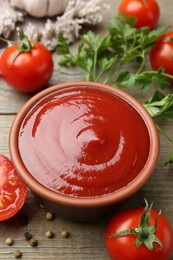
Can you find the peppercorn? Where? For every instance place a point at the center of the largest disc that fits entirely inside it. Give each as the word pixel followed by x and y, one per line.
pixel 49 234
pixel 33 242
pixel 17 254
pixel 65 233
pixel 27 236
pixel 49 216
pixel 9 241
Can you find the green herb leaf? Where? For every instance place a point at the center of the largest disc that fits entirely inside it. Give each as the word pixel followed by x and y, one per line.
pixel 105 63
pixel 120 26
pixel 143 82
pixel 151 38
pixel 96 42
pixel 63 48
pixel 161 103
pixel 170 158
pixel 122 45
pixel 157 96
pixel 125 79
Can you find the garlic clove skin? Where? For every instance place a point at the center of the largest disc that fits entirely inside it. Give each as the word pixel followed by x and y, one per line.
pixel 56 7
pixel 17 3
pixel 41 8
pixel 36 8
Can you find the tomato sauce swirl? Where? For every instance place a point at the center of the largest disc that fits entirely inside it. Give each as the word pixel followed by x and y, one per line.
pixel 84 142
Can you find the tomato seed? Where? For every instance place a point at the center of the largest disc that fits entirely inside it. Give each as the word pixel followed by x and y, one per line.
pixel 1 205
pixel 13 183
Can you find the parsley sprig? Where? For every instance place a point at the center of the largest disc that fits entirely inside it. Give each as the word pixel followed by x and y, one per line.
pixel 160 105
pixel 102 56
pixel 105 58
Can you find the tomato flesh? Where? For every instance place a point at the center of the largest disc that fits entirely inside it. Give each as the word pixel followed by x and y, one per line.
pixel 13 191
pixel 147 12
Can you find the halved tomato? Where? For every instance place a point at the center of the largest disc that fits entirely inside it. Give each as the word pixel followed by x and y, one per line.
pixel 13 191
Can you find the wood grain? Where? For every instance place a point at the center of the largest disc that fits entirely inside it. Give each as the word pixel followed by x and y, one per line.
pixel 86 241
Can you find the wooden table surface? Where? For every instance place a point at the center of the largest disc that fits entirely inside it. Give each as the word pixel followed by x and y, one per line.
pixel 86 241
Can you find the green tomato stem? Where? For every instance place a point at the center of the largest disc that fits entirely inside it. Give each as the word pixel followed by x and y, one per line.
pixel 144 232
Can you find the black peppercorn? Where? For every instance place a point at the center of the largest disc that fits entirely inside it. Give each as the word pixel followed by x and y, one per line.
pixel 33 242
pixel 27 235
pixel 17 254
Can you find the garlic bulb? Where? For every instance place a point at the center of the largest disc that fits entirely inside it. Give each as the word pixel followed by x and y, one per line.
pixel 40 8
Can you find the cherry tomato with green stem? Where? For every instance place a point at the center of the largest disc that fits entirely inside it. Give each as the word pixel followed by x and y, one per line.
pixel 147 12
pixel 139 234
pixel 26 66
pixel 13 191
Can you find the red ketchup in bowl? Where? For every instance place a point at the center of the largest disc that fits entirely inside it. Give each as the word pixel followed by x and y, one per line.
pixel 84 142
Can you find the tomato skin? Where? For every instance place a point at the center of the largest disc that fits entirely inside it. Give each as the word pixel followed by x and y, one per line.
pixel 13 191
pixel 123 248
pixel 147 12
pixel 30 71
pixel 161 54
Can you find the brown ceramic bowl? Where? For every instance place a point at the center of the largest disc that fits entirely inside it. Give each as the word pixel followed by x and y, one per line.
pixel 92 207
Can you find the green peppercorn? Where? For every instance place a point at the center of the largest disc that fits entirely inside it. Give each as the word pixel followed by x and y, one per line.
pixel 49 216
pixel 17 254
pixel 33 242
pixel 9 241
pixel 65 233
pixel 49 234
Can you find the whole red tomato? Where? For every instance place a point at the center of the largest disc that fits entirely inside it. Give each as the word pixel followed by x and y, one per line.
pixel 13 191
pixel 147 12
pixel 150 236
pixel 26 67
pixel 161 54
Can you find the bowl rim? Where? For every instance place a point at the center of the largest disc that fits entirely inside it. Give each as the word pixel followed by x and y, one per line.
pixel 104 200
